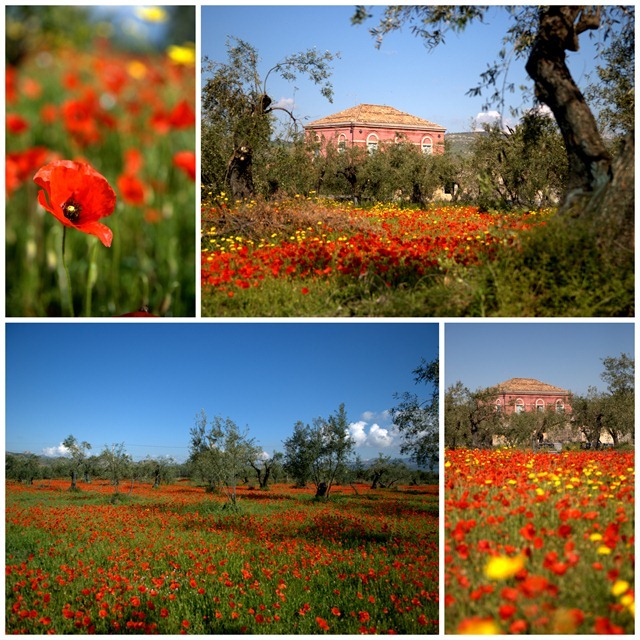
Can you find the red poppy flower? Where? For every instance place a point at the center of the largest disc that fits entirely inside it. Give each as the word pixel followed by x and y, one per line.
pixel 16 124
pixel 182 116
pixel 132 161
pixel 78 196
pixel 186 160
pixel 131 189
pixel 21 165
pixel 322 623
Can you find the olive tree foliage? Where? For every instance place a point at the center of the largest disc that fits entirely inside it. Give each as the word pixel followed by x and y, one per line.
pixel 238 113
pixel 611 411
pixel 320 453
pixel 385 472
pixel 541 36
pixel 161 469
pixel 220 453
pixel 619 374
pixel 470 417
pixel 78 451
pixel 613 92
pixel 523 166
pixel 299 454
pixel 590 414
pixel 417 419
pixel 24 468
pixel 529 428
pixel 116 465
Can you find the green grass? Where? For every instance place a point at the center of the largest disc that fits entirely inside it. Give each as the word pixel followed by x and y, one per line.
pixel 173 560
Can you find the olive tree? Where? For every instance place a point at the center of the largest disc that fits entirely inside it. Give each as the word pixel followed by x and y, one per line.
pixel 417 419
pixel 320 452
pixel 470 417
pixel 78 451
pixel 220 453
pixel 116 465
pixel 238 112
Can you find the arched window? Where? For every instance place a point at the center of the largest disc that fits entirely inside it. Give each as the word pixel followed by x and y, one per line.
pixel 342 143
pixel 427 145
pixel 539 405
pixel 498 406
pixel 372 143
pixel 559 406
pixel 519 405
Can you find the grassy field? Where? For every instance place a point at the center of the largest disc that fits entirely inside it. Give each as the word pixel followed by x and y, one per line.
pixel 310 257
pixel 539 543
pixel 132 118
pixel 173 560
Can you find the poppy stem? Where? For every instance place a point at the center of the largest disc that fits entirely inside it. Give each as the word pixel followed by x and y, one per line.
pixel 66 270
pixel 92 276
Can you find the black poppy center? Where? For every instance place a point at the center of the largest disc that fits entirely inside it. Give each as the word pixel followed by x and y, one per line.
pixel 71 210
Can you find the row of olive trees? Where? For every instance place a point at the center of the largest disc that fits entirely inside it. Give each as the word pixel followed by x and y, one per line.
pixel 112 464
pixel 223 456
pixel 471 419
pixel 524 166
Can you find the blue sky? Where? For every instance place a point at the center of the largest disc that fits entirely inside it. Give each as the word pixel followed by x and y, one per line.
pixel 402 74
pixel 567 355
pixel 143 384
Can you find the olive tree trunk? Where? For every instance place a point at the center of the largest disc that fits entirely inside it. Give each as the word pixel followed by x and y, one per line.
pixel 558 31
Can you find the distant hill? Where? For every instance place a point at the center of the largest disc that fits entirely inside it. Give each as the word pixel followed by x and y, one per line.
pixel 460 143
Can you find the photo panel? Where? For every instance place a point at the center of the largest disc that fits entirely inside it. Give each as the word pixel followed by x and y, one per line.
pixel 100 162
pixel 363 161
pixel 213 478
pixel 539 477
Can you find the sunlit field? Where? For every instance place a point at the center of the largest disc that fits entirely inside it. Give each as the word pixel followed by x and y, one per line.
pixel 539 543
pixel 314 257
pixel 131 118
pixel 173 560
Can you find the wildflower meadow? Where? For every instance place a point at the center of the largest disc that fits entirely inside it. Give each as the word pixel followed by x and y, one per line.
pixel 100 170
pixel 173 560
pixel 308 256
pixel 539 543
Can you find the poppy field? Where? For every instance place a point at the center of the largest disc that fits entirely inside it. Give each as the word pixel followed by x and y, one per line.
pixel 318 253
pixel 100 177
pixel 539 543
pixel 173 560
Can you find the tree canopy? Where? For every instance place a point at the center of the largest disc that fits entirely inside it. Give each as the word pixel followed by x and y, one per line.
pixel 238 113
pixel 540 36
pixel 417 419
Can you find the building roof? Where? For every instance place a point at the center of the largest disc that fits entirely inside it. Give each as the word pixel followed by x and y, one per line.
pixel 374 114
pixel 528 385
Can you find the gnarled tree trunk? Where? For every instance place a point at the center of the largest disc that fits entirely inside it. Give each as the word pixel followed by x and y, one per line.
pixel 558 31
pixel 598 189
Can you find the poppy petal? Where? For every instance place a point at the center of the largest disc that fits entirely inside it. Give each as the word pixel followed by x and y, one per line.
pixel 95 228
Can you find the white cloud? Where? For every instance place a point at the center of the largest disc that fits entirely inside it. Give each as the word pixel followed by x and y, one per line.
pixel 379 437
pixel 285 103
pixel 543 110
pixel 486 117
pixel 372 436
pixel 54 452
pixel 357 433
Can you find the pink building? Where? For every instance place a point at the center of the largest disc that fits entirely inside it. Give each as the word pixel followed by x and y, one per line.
pixel 526 394
pixel 371 125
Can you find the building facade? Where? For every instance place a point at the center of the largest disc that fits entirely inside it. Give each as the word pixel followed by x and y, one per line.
pixel 526 394
pixel 371 126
